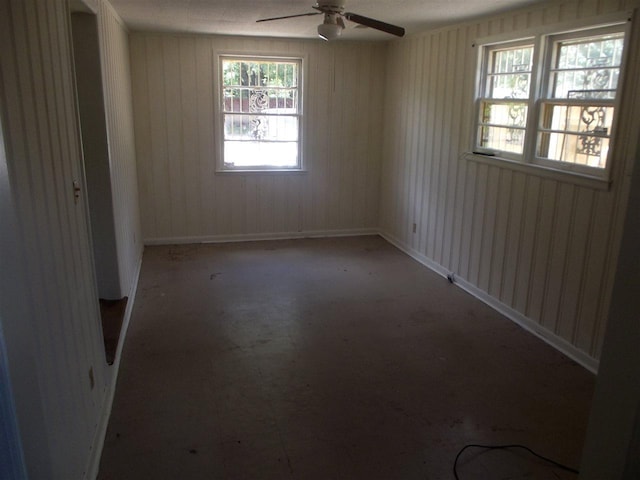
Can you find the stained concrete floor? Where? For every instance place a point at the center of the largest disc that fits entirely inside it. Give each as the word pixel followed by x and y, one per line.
pixel 330 359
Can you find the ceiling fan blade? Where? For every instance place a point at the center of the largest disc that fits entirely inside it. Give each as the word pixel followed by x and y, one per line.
pixel 377 24
pixel 289 16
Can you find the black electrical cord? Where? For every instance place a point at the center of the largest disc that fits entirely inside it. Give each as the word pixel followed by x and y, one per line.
pixel 504 447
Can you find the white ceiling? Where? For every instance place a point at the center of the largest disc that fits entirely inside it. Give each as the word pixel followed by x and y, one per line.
pixel 238 17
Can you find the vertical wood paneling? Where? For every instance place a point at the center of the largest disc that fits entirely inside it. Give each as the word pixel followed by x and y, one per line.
pixel 526 247
pixel 468 204
pixel 442 129
pixel 420 120
pixel 410 145
pixel 515 202
pixel 449 238
pixel 189 115
pixel 477 223
pixel 558 249
pixel 158 148
pixel 540 246
pixel 487 227
pixel 581 230
pixel 142 127
pixel 58 425
pixel 427 156
pixel 500 238
pixel 116 71
pixel 173 102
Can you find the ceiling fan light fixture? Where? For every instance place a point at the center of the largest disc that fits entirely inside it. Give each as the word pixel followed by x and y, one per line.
pixel 330 29
pixel 334 17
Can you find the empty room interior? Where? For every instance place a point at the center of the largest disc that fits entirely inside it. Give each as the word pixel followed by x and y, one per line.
pixel 332 240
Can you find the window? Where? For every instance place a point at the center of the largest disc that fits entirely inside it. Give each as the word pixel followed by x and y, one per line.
pixel 261 110
pixel 504 105
pixel 579 103
pixel 550 100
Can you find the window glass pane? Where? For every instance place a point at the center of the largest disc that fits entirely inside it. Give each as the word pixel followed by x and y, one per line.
pixel 583 53
pixel 503 139
pixel 509 60
pixel 509 73
pixel 251 100
pixel 261 154
pixel 509 86
pixel 510 114
pixel 587 68
pixel 577 149
pixel 586 139
pixel 578 118
pixel 265 73
pixel 261 127
pixel 586 84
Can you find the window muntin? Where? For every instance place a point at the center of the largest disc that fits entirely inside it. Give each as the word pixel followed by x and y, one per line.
pixel 556 110
pixel 576 117
pixel 504 106
pixel 261 113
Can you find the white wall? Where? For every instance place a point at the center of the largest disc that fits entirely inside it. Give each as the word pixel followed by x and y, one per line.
pixel 12 305
pixel 43 158
pixel 114 41
pixel 541 249
pixel 95 150
pixel 50 316
pixel 181 197
pixel 612 447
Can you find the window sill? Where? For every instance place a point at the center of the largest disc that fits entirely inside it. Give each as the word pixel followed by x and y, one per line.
pixel 270 171
pixel 580 179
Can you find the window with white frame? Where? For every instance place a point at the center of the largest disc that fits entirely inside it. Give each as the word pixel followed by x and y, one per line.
pixel 550 100
pixel 261 114
pixel 505 97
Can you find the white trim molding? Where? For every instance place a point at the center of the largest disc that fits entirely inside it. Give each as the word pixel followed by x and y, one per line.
pixel 252 237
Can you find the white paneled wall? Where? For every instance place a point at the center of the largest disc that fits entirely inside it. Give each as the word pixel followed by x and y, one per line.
pixel 122 155
pixel 535 246
pixel 43 158
pixel 182 198
pixel 60 380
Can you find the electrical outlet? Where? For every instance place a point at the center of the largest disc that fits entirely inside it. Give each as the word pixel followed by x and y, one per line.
pixel 76 191
pixel 414 228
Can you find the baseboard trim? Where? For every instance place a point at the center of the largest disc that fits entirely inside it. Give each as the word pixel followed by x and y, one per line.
pixel 529 325
pixel 252 237
pixel 101 429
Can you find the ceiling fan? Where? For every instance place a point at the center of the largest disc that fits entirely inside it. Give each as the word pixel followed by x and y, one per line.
pixel 334 15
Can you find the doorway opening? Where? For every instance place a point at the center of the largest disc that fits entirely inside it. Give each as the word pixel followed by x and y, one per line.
pixel 95 150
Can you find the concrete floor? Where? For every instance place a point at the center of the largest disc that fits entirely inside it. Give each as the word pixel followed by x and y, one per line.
pixel 330 359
